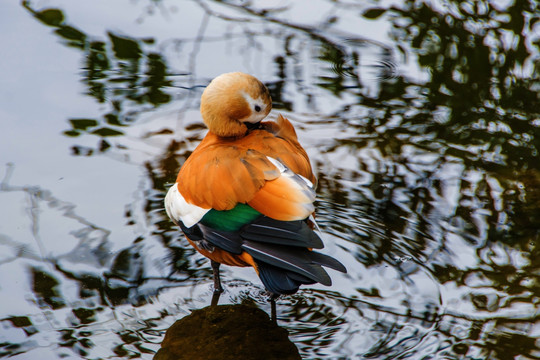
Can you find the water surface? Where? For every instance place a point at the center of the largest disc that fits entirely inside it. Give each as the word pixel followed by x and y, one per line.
pixel 422 120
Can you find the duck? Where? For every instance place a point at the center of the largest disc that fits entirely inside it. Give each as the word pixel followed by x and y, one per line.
pixel 245 196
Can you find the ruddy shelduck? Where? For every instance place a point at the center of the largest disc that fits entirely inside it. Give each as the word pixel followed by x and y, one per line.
pixel 245 195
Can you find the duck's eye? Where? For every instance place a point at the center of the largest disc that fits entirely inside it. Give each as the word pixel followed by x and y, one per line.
pixel 257 108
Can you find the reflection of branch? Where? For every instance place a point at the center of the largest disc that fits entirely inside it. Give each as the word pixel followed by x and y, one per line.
pixel 211 12
pixel 37 195
pixel 314 33
pixel 197 47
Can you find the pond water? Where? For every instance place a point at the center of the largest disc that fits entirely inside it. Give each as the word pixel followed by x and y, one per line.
pixel 422 120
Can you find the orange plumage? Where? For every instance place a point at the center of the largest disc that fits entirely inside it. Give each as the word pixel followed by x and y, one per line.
pixel 236 169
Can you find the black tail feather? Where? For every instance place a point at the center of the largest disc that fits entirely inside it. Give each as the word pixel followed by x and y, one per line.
pixel 291 233
pixel 280 249
pixel 288 258
pixel 226 240
pixel 327 261
pixel 279 281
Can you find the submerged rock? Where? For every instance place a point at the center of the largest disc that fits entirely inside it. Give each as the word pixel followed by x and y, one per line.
pixel 226 332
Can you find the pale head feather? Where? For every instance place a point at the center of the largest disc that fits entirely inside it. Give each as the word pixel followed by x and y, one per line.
pixel 231 100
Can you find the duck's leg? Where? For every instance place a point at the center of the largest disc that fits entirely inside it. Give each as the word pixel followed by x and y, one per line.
pixel 218 289
pixel 273 312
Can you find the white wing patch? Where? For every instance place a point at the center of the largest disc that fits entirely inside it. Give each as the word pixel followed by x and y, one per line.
pixel 285 171
pixel 179 209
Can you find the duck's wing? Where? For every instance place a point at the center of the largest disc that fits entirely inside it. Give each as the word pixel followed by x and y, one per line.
pixel 220 174
pixel 280 251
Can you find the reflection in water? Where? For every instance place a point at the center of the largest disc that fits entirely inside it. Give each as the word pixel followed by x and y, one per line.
pixel 426 147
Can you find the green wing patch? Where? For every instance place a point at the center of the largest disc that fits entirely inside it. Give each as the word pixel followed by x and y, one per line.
pixel 230 220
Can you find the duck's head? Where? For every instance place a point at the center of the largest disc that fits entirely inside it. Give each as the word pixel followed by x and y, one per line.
pixel 234 102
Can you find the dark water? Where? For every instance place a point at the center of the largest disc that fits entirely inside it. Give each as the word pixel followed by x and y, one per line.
pixel 422 120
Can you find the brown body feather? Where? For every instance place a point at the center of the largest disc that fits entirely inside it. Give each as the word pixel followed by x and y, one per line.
pixel 226 258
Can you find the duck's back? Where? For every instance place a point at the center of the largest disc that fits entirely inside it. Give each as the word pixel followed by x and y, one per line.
pixel 222 172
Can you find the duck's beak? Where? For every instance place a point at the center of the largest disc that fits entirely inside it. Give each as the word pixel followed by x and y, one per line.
pixel 253 126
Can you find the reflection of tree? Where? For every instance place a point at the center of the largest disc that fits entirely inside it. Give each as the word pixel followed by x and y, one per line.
pixel 480 105
pixel 479 109
pixel 482 78
pixel 86 282
pixel 119 72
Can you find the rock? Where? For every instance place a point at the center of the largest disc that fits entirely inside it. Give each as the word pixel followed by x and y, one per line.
pixel 226 332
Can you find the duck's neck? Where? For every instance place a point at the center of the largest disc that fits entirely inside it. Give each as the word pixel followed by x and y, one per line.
pixel 224 126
